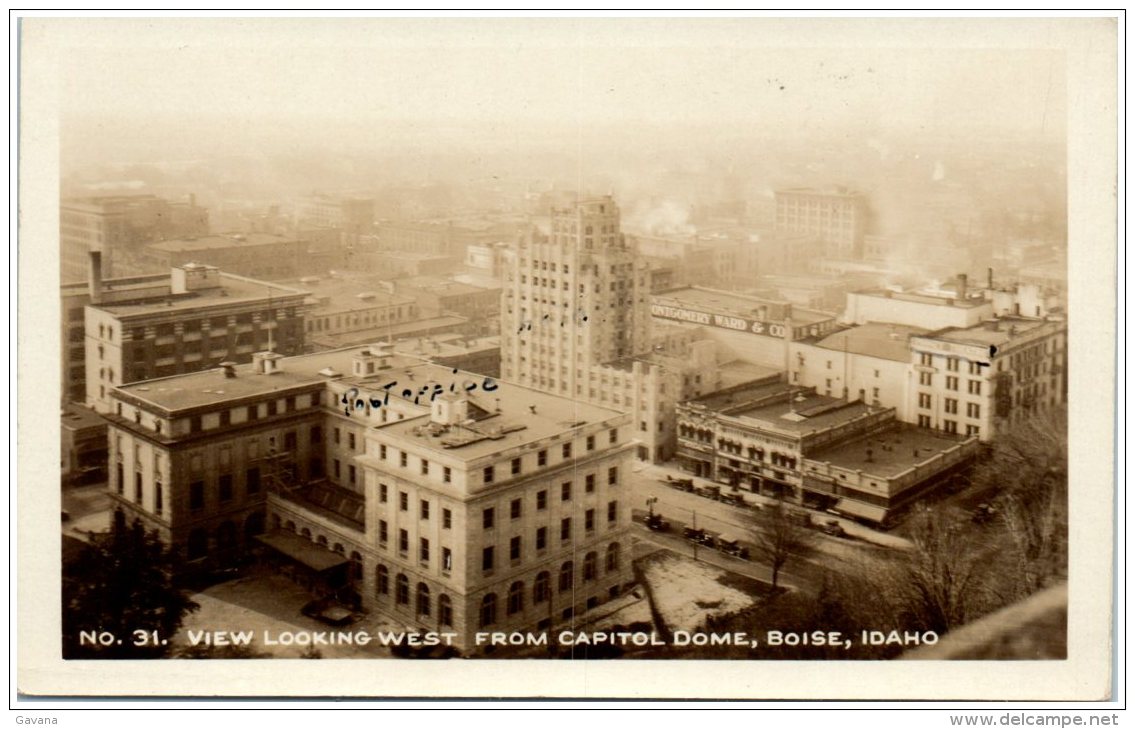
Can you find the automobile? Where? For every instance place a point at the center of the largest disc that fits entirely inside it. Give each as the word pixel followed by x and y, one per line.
pixel 729 544
pixel 731 499
pixel 655 523
pixel 984 513
pixel 707 539
pixel 682 484
pixel 694 535
pixel 833 528
pixel 328 611
pixel 709 492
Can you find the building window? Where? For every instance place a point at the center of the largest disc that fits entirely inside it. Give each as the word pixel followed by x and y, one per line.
pixel 425 467
pixel 351 441
pixel 950 426
pixel 951 383
pixel 487 559
pixel 515 466
pixel 542 458
pixel 446 519
pixel 487 518
pixel 926 360
pixel 352 474
pixel 336 467
pixel 923 400
pixel 424 549
pixel 402 591
pixel 925 378
pixel 612 511
pixel 382 532
pixel 403 501
pixel 446 474
pixel 565 529
pixel 589 520
pixel 567 576
pixel 973 410
pixel 446 559
pixel 515 598
pixel 924 421
pixel 975 368
pixel 950 405
pixel 488 474
pixel 613 557
pixel 403 541
pixel 402 459
pixel 381 580
pixel 589 483
pixel 613 436
pixel 424 509
pixel 489 610
pixel 613 476
pixel 541 538
pixel 445 611
pixel 541 500
pixel 565 491
pixel 975 387
pixel 159 499
pixel 952 364
pixel 541 588
pixel 382 493
pixel 590 566
pixel 423 599
pixel 382 452
pixel 196 495
pixel 973 430
pixel 590 442
pixel 137 487
pixel 514 509
pixel 567 450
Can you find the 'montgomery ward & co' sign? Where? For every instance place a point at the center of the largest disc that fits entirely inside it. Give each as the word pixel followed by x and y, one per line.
pixel 717 320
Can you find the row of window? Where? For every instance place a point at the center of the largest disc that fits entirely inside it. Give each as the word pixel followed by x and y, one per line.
pixel 949 426
pixel 949 405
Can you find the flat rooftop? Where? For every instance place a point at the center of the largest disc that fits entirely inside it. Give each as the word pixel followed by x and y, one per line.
pixel 440 286
pixel 885 341
pixel 445 345
pixel 342 293
pixel 525 416
pixel 808 411
pixel 826 191
pixel 737 397
pixel 984 334
pixel 739 371
pixel 736 304
pixel 967 303
pixel 892 451
pixel 233 290
pixel 222 240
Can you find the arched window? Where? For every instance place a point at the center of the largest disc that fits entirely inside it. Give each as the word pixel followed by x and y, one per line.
pixel 489 609
pixel 306 533
pixel 356 566
pixel 423 599
pixel 567 576
pixel 381 580
pixel 338 548
pixel 515 598
pixel 290 526
pixel 226 536
pixel 444 611
pixel 612 556
pixel 590 563
pixel 402 594
pixel 321 541
pixel 276 521
pixel 542 587
pixel 198 545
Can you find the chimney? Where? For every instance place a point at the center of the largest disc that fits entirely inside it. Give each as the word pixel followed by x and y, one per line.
pixel 229 368
pixel 94 276
pixel 963 281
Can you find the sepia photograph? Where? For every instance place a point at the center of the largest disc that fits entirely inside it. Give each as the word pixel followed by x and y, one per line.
pixel 595 352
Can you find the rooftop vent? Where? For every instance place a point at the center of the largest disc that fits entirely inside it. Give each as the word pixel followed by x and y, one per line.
pixel 229 368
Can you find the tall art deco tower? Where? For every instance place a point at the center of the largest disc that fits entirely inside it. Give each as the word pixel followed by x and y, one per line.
pixel 572 299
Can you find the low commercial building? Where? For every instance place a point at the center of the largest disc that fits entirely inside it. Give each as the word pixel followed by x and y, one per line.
pixel 442 500
pixel 481 355
pixel 263 255
pixel 84 446
pixel 957 309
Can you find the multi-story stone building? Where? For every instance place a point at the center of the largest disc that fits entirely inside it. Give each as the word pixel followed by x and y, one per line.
pixel 440 499
pixel 836 217
pixel 119 226
pixel 193 318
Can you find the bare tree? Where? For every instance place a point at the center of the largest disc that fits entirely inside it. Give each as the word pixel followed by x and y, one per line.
pixel 940 580
pixel 1029 465
pixel 778 534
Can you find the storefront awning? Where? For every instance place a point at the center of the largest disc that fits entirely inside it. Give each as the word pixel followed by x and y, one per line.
pixel 302 551
pixel 861 510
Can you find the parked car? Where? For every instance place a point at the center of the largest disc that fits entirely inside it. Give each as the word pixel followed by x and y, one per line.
pixel 729 544
pixel 682 484
pixel 833 528
pixel 694 535
pixel 732 499
pixel 655 523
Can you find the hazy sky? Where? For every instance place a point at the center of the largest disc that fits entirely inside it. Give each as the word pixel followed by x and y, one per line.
pixel 517 74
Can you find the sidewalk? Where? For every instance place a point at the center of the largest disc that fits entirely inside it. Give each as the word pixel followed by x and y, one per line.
pixel 853 528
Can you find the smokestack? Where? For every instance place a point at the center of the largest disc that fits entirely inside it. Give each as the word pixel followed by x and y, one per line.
pixel 94 276
pixel 963 281
pixel 989 274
